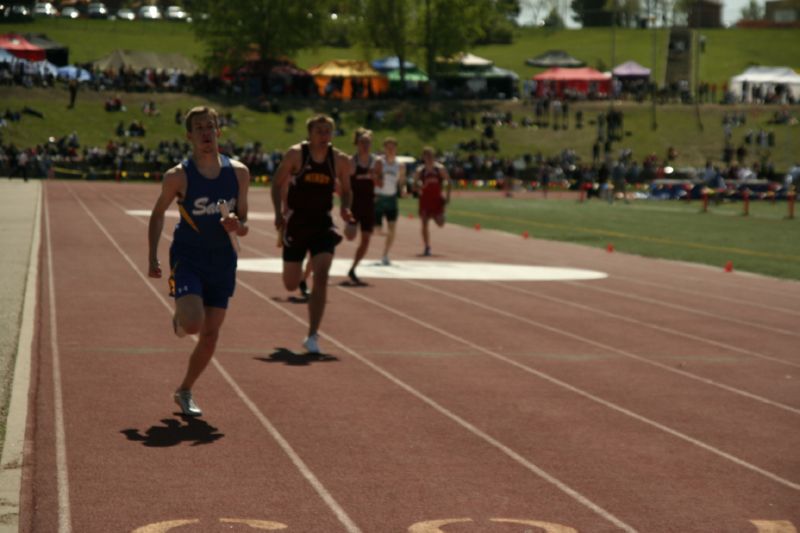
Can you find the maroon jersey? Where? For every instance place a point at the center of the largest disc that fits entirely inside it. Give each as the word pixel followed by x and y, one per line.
pixel 362 185
pixel 311 189
pixel 431 202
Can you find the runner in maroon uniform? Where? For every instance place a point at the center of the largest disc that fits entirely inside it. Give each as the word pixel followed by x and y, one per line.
pixel 429 180
pixel 367 174
pixel 302 194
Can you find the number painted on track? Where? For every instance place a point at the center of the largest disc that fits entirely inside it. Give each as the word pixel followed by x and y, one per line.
pixel 774 526
pixel 255 524
pixel 548 527
pixel 162 527
pixel 433 526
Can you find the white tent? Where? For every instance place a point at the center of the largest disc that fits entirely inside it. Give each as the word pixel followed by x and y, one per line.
pixel 768 78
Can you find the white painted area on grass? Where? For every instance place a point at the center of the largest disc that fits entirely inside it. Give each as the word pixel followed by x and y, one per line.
pixel 434 269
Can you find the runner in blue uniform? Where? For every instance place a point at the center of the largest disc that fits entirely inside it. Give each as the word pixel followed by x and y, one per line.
pixel 202 257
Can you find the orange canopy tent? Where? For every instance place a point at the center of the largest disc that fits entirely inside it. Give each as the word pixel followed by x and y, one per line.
pixel 346 79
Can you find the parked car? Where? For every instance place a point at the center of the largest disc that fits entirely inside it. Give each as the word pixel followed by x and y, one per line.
pixel 176 13
pixel 17 12
pixel 97 10
pixel 126 14
pixel 70 13
pixel 149 13
pixel 44 9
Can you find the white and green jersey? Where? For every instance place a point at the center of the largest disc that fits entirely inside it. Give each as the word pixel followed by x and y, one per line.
pixel 391 175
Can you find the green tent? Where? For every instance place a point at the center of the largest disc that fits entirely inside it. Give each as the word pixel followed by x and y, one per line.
pixel 412 75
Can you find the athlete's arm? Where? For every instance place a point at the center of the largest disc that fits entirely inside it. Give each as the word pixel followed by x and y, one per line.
pixel 171 187
pixel 377 173
pixel 344 169
pixel 448 184
pixel 401 180
pixel 416 184
pixel 289 165
pixel 243 177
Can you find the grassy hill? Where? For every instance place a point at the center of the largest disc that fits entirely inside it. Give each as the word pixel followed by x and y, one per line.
pixel 413 123
pixel 728 51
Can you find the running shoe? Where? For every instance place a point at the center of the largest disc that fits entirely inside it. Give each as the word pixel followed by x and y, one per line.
pixel 427 252
pixel 304 289
pixel 187 404
pixel 385 261
pixel 311 344
pixel 179 331
pixel 355 279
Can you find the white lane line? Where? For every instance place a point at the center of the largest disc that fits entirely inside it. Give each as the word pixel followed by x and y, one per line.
pixel 684 309
pixel 572 388
pixel 454 417
pixel 441 409
pixel 603 346
pixel 663 329
pixel 737 301
pixel 12 461
pixel 62 477
pixel 306 472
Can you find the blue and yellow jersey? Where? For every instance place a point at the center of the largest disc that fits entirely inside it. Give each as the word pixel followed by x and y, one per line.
pixel 199 225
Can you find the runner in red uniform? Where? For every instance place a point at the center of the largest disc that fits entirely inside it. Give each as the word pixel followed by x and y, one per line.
pixel 430 179
pixel 366 176
pixel 302 194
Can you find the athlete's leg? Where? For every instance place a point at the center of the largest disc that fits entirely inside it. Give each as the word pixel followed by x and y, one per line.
pixel 292 274
pixel 363 246
pixel 204 350
pixel 439 219
pixel 189 313
pixel 321 264
pixel 390 229
pixel 426 234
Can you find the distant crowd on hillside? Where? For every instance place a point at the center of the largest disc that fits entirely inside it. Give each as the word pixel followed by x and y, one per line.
pixel 128 158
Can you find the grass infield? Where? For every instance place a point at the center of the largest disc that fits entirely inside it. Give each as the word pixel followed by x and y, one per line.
pixel 764 242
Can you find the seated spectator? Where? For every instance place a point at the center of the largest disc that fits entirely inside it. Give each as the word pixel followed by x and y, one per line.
pixel 114 104
pixel 136 129
pixel 150 109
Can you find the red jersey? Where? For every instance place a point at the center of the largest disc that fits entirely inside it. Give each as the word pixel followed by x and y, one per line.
pixel 431 202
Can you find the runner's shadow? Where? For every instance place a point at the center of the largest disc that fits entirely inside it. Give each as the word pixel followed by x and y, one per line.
pixel 288 357
pixel 348 283
pixel 290 299
pixel 195 431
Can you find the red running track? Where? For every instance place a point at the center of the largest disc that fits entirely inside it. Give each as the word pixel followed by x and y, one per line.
pixel 622 404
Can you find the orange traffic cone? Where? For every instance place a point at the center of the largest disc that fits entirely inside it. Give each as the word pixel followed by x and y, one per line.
pixel 525 234
pixel 477 227
pixel 609 247
pixel 729 266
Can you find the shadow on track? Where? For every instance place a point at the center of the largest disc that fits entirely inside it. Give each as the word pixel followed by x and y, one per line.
pixel 288 357
pixel 195 431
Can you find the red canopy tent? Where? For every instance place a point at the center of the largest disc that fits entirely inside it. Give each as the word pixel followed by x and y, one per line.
pixel 21 48
pixel 580 80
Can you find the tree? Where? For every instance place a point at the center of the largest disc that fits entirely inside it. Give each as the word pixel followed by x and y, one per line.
pixel 753 11
pixel 421 28
pixel 448 26
pixel 386 25
pixel 553 20
pixel 591 13
pixel 270 28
